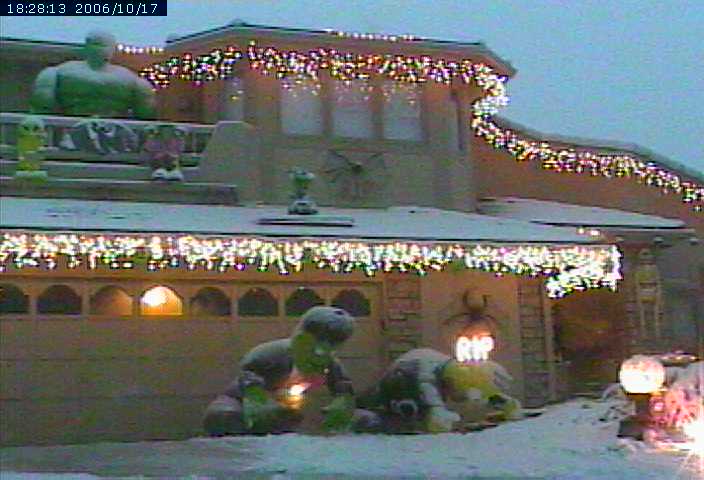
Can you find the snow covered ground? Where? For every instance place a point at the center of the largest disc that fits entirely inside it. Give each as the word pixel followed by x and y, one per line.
pixel 567 442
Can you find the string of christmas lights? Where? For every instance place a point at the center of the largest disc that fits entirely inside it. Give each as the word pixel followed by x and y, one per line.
pixel 565 268
pixel 134 50
pixel 373 36
pixel 347 67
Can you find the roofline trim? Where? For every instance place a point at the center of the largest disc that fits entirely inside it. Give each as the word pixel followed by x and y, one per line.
pixel 273 236
pixel 427 42
pixel 606 145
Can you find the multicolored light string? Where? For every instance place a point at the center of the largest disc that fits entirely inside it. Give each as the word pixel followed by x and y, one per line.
pixel 347 67
pixel 565 268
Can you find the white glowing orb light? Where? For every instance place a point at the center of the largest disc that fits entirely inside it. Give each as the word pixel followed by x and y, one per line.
pixel 155 297
pixel 475 348
pixel 641 374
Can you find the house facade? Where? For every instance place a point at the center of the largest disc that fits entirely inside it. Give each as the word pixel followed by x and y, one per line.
pixel 126 303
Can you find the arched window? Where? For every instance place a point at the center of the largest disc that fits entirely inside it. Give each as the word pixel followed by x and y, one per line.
pixel 12 300
pixel 258 302
pixel 301 301
pixel 111 300
pixel 160 300
pixel 59 300
pixel 210 301
pixel 353 302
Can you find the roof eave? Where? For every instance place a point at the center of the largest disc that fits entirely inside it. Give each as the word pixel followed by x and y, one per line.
pixel 466 48
pixel 609 146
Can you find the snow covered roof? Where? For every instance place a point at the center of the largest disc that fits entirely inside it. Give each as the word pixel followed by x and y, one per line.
pixel 565 214
pixel 397 223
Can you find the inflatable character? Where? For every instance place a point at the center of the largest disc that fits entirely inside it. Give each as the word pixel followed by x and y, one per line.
pixel 266 396
pixel 414 392
pixel 93 86
pixel 31 138
pixel 162 150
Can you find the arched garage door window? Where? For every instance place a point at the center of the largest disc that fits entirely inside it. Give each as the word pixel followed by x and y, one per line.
pixel 353 302
pixel 13 300
pixel 258 302
pixel 301 301
pixel 160 300
pixel 59 300
pixel 210 301
pixel 111 300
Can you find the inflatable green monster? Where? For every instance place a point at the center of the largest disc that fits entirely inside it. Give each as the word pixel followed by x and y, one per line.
pixel 266 396
pixel 94 86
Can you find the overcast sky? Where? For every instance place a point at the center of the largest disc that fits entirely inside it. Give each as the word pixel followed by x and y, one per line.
pixel 624 70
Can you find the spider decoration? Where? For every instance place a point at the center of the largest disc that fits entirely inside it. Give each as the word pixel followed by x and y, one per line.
pixel 355 178
pixel 473 313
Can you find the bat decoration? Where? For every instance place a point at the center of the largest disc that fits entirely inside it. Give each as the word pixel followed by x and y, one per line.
pixel 355 177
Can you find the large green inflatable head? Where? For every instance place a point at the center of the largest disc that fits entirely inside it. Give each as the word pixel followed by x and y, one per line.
pixel 320 331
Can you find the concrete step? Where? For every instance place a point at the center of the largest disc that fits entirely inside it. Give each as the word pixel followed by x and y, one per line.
pixel 126 190
pixel 85 170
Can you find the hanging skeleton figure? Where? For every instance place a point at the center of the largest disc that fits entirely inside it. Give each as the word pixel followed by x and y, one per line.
pixel 103 137
pixel 162 150
pixel 356 177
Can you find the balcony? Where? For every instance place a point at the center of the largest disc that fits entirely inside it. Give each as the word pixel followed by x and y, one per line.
pixel 110 172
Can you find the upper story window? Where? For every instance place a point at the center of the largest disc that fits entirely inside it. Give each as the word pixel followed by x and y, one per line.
pixel 402 111
pixel 301 108
pixel 352 109
pixel 233 107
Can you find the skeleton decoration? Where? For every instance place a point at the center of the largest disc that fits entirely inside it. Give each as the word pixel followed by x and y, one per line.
pixel 302 204
pixel 31 138
pixel 103 137
pixel 162 150
pixel 416 392
pixel 355 174
pixel 275 377
pixel 648 296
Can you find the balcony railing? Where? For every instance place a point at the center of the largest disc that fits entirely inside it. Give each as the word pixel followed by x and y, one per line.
pixel 59 127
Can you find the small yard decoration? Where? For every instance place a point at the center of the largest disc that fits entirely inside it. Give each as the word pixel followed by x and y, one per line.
pixel 302 204
pixel 31 139
pixel 162 150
